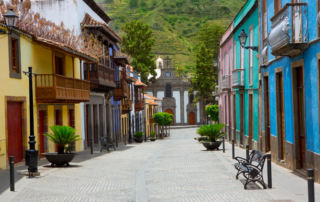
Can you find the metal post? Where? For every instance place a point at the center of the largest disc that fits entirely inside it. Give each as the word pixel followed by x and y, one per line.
pixel 117 139
pixel 269 171
pixel 223 148
pixel 145 129
pixel 32 153
pixel 232 149
pixel 130 137
pixel 91 145
pixel 310 185
pixel 247 152
pixel 11 173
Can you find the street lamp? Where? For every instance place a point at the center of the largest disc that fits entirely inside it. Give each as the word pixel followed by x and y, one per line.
pixel 243 39
pixel 11 19
pixel 215 63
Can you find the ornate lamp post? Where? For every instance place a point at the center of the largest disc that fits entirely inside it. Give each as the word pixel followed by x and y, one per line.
pixel 243 38
pixel 11 19
pixel 31 154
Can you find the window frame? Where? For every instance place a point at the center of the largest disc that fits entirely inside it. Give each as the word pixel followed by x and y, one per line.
pixel 235 55
pixel 251 56
pixel 230 60
pixel 12 74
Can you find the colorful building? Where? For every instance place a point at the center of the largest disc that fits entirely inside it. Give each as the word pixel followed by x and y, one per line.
pixel 290 57
pixel 151 107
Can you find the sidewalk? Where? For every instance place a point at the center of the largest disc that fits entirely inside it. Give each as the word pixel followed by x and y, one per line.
pixel 286 185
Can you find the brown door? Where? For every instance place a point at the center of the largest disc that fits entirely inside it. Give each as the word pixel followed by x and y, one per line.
pixel 250 135
pixel 169 111
pixel 267 112
pixel 192 118
pixel 300 117
pixel 14 131
pixel 234 119
pixel 59 65
pixel 281 116
pixel 71 124
pixel 41 131
pixel 241 118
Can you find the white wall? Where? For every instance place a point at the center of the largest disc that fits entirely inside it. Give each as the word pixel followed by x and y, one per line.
pixel 160 94
pixel 186 102
pixel 198 109
pixel 176 95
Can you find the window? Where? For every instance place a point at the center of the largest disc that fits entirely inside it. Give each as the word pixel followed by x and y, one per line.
pixel 277 6
pixel 225 62
pixel 168 90
pixel 234 55
pixel 250 56
pixel 110 56
pixel 241 57
pixel 14 56
pixel 265 20
pixel 191 98
pixel 230 64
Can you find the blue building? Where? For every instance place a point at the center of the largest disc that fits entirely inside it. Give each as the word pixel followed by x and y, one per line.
pixel 290 56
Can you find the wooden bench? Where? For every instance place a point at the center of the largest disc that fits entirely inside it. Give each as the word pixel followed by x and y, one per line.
pixel 106 143
pixel 252 169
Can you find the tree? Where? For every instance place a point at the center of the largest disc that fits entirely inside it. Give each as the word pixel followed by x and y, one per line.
pixel 213 111
pixel 179 71
pixel 133 3
pixel 138 42
pixel 204 79
pixel 109 1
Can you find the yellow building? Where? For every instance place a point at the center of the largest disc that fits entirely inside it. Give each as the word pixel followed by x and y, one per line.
pixel 151 107
pixel 57 92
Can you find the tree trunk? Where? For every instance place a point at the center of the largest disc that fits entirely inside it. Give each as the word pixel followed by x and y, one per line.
pixel 204 111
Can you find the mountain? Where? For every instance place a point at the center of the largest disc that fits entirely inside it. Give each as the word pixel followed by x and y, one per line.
pixel 174 22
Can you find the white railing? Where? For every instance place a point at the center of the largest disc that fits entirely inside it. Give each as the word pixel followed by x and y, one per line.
pixel 226 81
pixel 238 78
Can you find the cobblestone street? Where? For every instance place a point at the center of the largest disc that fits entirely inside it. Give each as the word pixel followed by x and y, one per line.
pixel 174 169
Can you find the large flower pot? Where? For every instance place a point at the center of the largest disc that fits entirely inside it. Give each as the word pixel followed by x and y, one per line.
pixel 138 140
pixel 211 145
pixel 152 139
pixel 59 159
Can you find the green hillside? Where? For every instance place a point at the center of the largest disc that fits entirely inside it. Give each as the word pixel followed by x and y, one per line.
pixel 174 22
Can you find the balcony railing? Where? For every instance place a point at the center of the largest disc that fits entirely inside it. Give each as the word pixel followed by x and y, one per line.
pixel 53 88
pixel 121 90
pixel 101 77
pixel 238 78
pixel 289 34
pixel 226 82
pixel 125 106
pixel 151 119
pixel 139 102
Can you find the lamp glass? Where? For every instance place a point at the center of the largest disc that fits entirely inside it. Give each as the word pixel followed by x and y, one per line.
pixel 215 63
pixel 11 18
pixel 243 38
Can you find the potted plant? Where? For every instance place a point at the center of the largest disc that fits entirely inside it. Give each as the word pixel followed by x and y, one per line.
pixel 138 136
pixel 212 133
pixel 153 136
pixel 62 136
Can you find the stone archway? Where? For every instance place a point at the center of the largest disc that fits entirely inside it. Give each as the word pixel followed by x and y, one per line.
pixel 170 111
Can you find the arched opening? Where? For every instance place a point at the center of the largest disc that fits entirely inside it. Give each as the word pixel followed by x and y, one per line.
pixel 168 90
pixel 191 98
pixel 192 118
pixel 169 111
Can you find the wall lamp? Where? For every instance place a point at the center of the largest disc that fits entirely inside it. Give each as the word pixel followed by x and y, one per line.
pixel 11 19
pixel 243 38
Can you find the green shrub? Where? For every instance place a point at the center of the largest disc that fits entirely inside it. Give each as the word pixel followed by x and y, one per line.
pixel 212 131
pixel 189 24
pixel 213 111
pixel 138 134
pixel 153 134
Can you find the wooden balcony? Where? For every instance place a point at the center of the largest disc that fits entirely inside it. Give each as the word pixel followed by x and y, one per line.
pixel 100 76
pixel 289 30
pixel 151 120
pixel 238 79
pixel 121 90
pixel 125 106
pixel 139 105
pixel 54 88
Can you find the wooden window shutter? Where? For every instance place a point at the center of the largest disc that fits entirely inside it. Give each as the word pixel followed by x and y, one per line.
pixel 14 55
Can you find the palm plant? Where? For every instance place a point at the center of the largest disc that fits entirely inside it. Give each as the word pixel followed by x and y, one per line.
pixel 138 134
pixel 212 131
pixel 62 135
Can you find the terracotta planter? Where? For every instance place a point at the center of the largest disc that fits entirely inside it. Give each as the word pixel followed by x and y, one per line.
pixel 59 159
pixel 212 145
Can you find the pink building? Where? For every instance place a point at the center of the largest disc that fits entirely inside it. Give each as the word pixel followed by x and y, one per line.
pixel 225 71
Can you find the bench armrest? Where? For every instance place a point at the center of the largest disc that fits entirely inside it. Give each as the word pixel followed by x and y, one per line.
pixel 240 159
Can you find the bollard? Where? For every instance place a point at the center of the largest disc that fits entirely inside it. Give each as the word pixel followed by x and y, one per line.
pixel 310 186
pixel 11 173
pixel 223 147
pixel 269 171
pixel 91 145
pixel 232 149
pixel 247 152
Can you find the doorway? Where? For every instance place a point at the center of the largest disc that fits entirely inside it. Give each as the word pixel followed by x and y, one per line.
pixel 87 124
pixel 298 96
pixel 14 131
pixel 241 118
pixel 169 111
pixel 41 132
pixel 267 114
pixel 71 124
pixel 250 134
pixel 192 118
pixel 280 115
pixel 234 119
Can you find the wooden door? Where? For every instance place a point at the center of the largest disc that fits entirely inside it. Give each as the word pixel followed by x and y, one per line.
pixel 14 131
pixel 192 118
pixel 241 118
pixel 281 136
pixel 87 124
pixel 300 114
pixel 234 118
pixel 250 135
pixel 95 137
pixel 59 65
pixel 169 111
pixel 267 113
pixel 41 131
pixel 71 124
